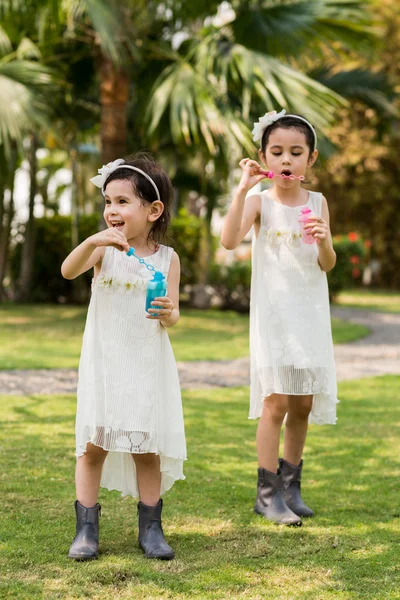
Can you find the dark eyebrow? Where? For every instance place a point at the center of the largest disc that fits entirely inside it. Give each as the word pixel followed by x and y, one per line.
pixel 295 146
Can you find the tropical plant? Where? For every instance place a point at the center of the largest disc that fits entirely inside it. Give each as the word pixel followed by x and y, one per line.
pixel 25 88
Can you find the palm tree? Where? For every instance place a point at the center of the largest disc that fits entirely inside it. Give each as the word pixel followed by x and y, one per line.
pixel 24 105
pixel 221 79
pixel 218 82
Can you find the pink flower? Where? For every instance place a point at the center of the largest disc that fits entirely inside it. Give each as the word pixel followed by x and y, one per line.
pixel 353 236
pixel 354 259
pixel 356 273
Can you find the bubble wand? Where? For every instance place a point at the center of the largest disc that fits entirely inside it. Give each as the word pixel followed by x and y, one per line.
pixel 157 286
pixel 271 175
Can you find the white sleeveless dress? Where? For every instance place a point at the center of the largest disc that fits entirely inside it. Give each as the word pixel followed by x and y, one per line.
pixel 291 346
pixel 129 399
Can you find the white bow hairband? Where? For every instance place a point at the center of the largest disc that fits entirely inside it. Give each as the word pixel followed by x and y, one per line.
pixel 271 117
pixel 106 170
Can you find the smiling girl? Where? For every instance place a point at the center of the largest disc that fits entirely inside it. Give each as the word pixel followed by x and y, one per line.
pixel 292 364
pixel 129 426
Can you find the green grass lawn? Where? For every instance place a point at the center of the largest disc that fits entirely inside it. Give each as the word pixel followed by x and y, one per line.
pixel 370 300
pixel 34 337
pixel 351 549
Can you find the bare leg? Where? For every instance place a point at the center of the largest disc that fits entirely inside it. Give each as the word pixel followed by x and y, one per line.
pixel 268 431
pixel 88 475
pixel 299 408
pixel 148 477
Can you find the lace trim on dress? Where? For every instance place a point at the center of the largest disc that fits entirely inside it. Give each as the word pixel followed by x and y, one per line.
pixel 275 237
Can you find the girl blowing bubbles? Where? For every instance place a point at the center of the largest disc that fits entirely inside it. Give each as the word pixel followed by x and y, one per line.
pixel 129 426
pixel 292 364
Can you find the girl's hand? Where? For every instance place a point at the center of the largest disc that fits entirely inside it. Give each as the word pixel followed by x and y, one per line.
pixel 110 237
pixel 252 173
pixel 319 229
pixel 167 306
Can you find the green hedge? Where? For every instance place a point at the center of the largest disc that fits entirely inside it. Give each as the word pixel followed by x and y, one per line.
pixel 350 254
pixel 232 285
pixel 53 244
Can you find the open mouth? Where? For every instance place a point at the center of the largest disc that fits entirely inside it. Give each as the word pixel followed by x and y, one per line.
pixel 117 223
pixel 286 172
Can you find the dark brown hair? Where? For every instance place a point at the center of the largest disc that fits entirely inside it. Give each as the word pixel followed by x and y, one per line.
pixel 289 122
pixel 145 191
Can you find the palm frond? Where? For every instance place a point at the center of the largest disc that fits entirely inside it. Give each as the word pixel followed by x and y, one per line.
pixel 27 50
pixel 5 42
pixel 371 88
pixel 109 24
pixel 284 29
pixel 193 109
pixel 22 99
pixel 29 73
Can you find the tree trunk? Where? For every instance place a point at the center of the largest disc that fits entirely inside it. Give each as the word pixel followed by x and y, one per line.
pixel 114 96
pixel 5 242
pixel 74 200
pixel 28 250
pixel 6 214
pixel 79 288
pixel 200 296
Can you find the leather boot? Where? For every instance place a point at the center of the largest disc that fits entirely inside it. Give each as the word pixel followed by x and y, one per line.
pixel 151 536
pixel 86 542
pixel 270 502
pixel 291 477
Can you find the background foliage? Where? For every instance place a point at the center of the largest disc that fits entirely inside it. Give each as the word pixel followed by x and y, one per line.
pixel 87 81
pixel 53 243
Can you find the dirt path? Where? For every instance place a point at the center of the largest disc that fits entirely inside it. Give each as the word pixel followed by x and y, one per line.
pixel 376 354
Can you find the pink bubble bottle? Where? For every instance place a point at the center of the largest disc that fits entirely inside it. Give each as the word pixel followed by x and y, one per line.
pixel 303 220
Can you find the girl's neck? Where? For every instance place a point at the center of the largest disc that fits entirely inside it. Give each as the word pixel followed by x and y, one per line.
pixel 293 196
pixel 143 246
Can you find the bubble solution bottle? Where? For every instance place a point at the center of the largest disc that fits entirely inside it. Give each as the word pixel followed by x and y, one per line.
pixel 156 288
pixel 303 220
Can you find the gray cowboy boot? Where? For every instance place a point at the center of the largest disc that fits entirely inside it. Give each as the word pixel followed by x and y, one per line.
pixel 86 542
pixel 291 477
pixel 151 536
pixel 270 502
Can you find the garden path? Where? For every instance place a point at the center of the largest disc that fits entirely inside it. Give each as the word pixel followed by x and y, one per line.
pixel 376 354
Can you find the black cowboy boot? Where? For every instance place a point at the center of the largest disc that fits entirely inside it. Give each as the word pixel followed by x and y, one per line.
pixel 270 502
pixel 151 536
pixel 291 477
pixel 86 542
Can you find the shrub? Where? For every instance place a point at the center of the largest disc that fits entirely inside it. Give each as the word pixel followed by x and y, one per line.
pixel 185 234
pixel 350 253
pixel 53 244
pixel 232 285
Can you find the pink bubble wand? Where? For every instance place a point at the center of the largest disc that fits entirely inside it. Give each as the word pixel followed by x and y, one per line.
pixel 271 175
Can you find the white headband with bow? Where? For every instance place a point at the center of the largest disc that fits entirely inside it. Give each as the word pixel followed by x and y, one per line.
pixel 271 117
pixel 106 170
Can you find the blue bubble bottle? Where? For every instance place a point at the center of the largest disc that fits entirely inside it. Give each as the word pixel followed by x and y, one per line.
pixel 156 287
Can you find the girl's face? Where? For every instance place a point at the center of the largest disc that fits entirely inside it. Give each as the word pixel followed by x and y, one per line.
pixel 125 211
pixel 287 152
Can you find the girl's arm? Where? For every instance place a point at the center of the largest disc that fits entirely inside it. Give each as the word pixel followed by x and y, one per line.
pixel 169 313
pixel 241 215
pixel 319 228
pixel 90 252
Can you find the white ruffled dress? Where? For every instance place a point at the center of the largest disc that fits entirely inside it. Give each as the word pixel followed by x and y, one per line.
pixel 129 398
pixel 291 344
